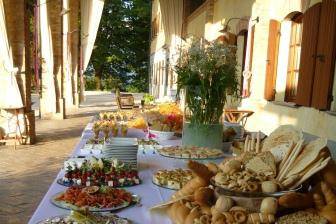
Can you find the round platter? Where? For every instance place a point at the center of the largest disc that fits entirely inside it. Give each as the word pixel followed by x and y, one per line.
pixel 166 187
pixel 71 184
pixel 61 219
pixel 229 192
pixel 179 157
pixel 65 205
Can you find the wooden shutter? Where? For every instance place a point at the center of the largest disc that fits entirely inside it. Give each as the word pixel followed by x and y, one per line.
pixel 325 56
pixel 272 58
pixel 311 20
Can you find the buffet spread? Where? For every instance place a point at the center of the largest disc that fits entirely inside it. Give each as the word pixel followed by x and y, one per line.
pixel 278 179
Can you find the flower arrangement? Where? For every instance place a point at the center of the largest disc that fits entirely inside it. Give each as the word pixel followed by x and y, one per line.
pixel 138 123
pixel 165 117
pixel 207 73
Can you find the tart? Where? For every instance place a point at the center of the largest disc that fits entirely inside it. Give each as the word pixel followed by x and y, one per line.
pixel 172 179
pixel 191 152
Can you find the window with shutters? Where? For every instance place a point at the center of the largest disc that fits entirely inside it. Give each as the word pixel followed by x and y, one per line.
pixel 317 67
pixel 294 58
pixel 272 59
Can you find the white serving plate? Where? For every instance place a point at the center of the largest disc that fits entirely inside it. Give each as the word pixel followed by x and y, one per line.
pixel 162 135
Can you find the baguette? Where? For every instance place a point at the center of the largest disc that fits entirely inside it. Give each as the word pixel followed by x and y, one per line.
pixel 288 164
pixel 258 142
pixel 296 200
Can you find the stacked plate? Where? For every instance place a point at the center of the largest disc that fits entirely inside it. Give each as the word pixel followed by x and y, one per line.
pixel 123 149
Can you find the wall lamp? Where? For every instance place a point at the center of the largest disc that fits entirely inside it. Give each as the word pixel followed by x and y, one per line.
pixel 226 27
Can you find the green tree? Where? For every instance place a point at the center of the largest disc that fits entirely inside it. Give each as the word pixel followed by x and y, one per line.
pixel 122 43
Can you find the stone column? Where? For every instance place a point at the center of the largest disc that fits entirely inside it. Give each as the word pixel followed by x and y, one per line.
pixel 74 45
pixel 66 65
pixel 17 25
pixel 48 92
pixel 55 16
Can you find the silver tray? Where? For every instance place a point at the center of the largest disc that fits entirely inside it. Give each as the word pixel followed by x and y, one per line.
pixel 68 206
pixel 114 218
pixel 228 192
pixel 189 158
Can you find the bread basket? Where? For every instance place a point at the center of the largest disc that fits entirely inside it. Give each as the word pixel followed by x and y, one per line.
pixel 249 200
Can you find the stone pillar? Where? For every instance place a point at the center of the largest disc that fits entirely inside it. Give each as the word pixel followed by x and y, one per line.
pixel 67 61
pixel 48 92
pixel 74 45
pixel 55 16
pixel 17 25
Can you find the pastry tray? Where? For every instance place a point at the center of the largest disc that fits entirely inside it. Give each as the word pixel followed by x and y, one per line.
pixel 224 191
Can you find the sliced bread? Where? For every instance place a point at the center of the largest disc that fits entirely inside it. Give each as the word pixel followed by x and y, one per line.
pixel 309 154
pixel 263 163
pixel 282 135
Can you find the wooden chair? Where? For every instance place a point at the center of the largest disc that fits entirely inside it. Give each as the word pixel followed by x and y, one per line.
pixel 125 100
pixel 237 116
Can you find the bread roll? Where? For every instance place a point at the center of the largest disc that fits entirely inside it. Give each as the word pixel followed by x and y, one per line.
pixel 200 170
pixel 223 203
pixel 269 205
pixel 269 187
pixel 190 187
pixel 204 196
pixel 216 216
pixel 213 167
pixel 329 174
pixel 181 213
pixel 296 200
pixel 260 218
pixel 194 214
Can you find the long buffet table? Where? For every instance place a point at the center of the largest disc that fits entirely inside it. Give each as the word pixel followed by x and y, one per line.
pixel 148 163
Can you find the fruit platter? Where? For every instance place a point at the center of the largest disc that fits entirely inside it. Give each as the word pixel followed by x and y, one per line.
pixel 94 198
pixel 190 152
pixel 85 217
pixel 98 172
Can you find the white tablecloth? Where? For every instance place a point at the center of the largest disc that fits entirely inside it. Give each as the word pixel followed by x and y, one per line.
pixel 150 194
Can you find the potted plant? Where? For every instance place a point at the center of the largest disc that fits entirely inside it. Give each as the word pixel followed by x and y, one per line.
pixel 207 75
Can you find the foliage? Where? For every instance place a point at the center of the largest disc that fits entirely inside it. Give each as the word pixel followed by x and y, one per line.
pixel 207 72
pixel 122 44
pixel 148 98
pixel 111 83
pixel 90 83
pixel 132 89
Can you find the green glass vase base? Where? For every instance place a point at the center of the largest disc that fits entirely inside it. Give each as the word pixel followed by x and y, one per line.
pixel 204 135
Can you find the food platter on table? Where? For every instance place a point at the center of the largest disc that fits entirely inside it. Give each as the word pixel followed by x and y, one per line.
pixel 190 152
pixel 95 199
pixel 172 179
pixel 84 217
pixel 229 192
pixel 271 181
pixel 148 144
pixel 98 172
